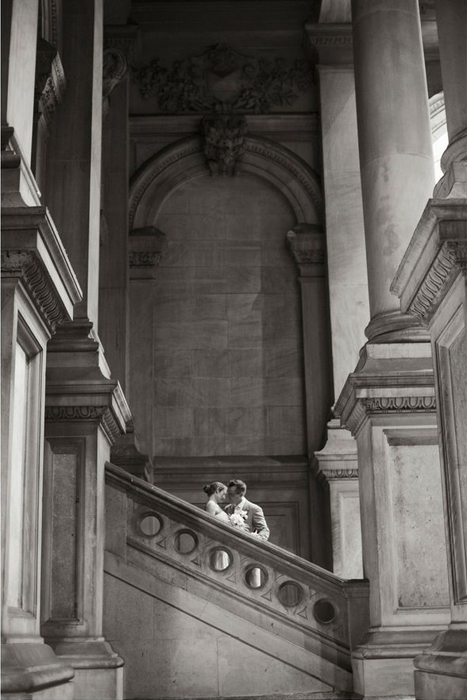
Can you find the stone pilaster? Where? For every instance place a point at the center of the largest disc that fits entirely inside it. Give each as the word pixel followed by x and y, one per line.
pixel 389 405
pixel 73 187
pixel 308 248
pixel 431 284
pixel 86 412
pixel 39 290
pixel 338 472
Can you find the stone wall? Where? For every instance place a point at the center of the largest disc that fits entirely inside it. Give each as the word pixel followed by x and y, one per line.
pixel 219 329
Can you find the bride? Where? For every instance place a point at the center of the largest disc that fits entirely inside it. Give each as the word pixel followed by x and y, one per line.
pixel 217 493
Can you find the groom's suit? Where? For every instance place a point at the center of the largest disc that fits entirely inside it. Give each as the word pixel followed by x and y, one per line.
pixel 255 517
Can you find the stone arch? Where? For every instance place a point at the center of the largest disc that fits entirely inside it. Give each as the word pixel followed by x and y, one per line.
pixel 184 160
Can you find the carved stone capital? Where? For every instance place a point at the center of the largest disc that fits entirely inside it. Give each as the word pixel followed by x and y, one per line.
pixel 307 245
pixel 436 256
pixel 50 83
pixel 147 246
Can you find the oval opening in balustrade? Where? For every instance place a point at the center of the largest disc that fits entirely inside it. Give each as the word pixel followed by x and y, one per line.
pixel 290 594
pixel 151 524
pixel 185 541
pixel 220 559
pixel 255 576
pixel 324 611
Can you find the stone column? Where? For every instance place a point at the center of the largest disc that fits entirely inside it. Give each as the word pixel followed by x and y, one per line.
pixel 307 244
pixel 451 19
pixel 394 142
pixel 73 187
pixel 39 290
pixel 85 413
pixel 431 284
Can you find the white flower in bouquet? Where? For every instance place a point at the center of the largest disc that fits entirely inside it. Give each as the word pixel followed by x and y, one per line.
pixel 238 520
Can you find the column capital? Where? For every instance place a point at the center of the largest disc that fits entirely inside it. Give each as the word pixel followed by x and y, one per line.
pixel 436 256
pixel 307 244
pixel 332 43
pixel 146 248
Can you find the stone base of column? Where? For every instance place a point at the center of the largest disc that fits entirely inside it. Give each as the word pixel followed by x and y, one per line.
pixel 441 671
pixel 32 670
pixel 98 669
pixel 383 665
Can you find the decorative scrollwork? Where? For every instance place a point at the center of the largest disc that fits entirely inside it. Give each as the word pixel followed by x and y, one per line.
pixel 223 81
pixel 101 414
pixel 340 473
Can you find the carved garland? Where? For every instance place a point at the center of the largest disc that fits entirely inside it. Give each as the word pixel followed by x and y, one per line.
pixel 102 414
pixel 244 84
pixel 451 256
pixel 26 265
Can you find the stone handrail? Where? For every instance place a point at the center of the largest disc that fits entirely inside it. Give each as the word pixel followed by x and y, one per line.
pixel 328 614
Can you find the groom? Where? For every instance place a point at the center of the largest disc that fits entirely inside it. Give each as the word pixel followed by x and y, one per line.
pixel 238 504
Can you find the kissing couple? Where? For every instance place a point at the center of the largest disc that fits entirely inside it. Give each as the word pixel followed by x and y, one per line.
pixel 239 512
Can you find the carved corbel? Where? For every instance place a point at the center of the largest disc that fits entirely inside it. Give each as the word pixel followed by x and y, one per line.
pixel 50 82
pixel 114 69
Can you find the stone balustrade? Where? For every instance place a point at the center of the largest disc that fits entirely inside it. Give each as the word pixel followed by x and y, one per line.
pixel 305 604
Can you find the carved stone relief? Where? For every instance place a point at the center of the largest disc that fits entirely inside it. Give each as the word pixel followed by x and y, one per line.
pixel 223 139
pixel 223 81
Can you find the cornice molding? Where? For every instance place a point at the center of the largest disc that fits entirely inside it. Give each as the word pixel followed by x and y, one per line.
pixel 339 473
pixel 359 409
pixel 436 256
pixel 27 266
pixel 451 258
pixel 100 414
pixel 329 43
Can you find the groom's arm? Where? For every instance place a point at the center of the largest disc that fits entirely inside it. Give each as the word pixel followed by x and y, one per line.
pixel 259 523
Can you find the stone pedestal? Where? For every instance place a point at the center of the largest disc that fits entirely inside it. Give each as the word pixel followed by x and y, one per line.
pixel 338 469
pixel 431 285
pixel 39 290
pixel 389 405
pixel 85 413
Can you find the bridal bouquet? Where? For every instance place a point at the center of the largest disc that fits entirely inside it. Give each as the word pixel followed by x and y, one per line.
pixel 239 519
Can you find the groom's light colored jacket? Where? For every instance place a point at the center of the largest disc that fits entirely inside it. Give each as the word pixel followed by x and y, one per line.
pixel 255 517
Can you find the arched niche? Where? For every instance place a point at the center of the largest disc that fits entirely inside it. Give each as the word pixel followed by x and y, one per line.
pixel 185 161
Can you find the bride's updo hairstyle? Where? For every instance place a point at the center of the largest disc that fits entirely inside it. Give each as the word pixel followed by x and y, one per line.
pixel 216 486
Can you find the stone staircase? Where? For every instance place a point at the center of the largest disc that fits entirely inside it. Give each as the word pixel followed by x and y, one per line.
pixel 200 610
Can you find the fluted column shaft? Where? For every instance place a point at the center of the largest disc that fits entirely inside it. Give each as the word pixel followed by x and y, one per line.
pixel 396 157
